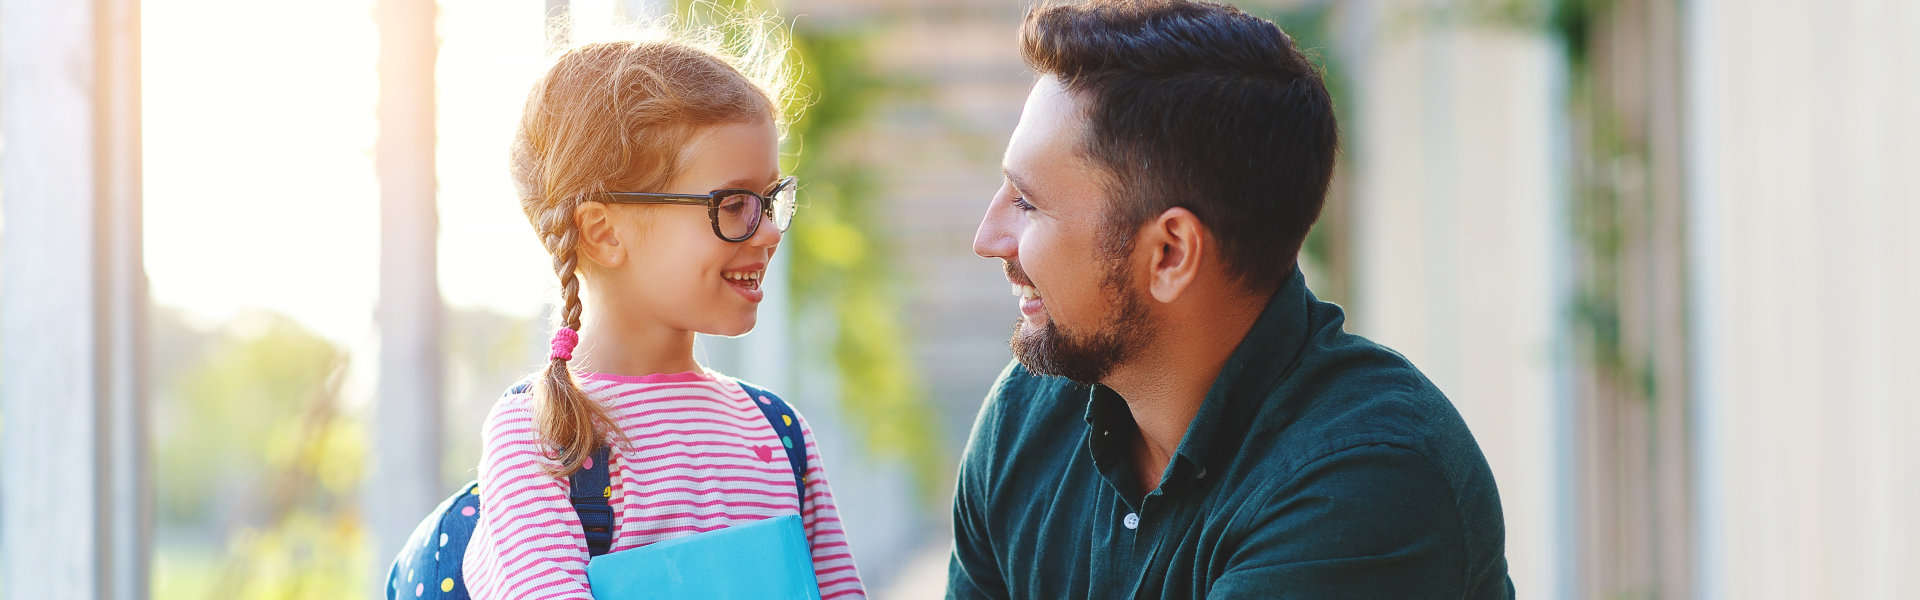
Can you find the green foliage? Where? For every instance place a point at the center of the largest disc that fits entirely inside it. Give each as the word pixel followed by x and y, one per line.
pixel 1608 200
pixel 222 420
pixel 839 261
pixel 1572 23
pixel 254 450
pixel 307 554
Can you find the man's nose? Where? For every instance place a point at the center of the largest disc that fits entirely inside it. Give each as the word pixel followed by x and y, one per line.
pixel 997 234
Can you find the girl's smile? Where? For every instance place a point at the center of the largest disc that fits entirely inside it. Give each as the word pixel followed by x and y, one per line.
pixel 746 281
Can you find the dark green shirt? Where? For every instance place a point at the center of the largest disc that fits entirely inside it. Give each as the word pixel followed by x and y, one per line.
pixel 1320 465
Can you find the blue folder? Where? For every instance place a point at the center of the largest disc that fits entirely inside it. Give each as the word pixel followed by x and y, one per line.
pixel 762 560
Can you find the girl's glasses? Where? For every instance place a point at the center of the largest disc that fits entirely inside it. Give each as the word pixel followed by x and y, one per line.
pixel 736 214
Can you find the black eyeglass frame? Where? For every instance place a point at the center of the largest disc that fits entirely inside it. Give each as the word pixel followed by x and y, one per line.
pixel 711 200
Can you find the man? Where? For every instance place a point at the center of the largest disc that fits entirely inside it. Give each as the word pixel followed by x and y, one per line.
pixel 1185 419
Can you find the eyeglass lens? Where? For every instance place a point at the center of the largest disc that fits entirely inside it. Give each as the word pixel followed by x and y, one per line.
pixel 738 214
pixel 783 207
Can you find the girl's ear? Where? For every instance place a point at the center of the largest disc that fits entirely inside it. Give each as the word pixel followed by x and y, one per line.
pixel 599 235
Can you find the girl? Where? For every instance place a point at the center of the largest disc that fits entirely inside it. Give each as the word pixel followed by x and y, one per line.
pixel 650 172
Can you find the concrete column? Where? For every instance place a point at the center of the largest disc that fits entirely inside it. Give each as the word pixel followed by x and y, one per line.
pixel 406 426
pixel 75 478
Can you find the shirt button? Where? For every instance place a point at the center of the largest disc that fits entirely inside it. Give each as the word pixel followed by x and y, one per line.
pixel 1132 521
pixel 1202 474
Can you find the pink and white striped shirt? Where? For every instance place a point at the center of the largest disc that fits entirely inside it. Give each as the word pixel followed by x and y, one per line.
pixel 703 458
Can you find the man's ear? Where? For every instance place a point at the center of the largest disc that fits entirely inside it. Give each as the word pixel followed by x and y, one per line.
pixel 1176 242
pixel 599 237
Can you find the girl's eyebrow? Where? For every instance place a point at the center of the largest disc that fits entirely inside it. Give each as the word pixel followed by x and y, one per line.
pixel 748 184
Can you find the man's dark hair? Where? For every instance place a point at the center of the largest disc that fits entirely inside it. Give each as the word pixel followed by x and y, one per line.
pixel 1201 106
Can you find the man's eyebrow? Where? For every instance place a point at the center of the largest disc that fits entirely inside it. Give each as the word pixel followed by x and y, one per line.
pixel 1018 185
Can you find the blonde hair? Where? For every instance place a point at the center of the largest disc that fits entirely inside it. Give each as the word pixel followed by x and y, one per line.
pixel 616 116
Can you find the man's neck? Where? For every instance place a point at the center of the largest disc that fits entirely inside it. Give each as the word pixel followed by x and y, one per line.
pixel 1165 385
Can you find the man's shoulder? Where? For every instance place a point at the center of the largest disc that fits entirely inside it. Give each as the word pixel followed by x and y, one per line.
pixel 1357 411
pixel 1020 396
pixel 1023 413
pixel 1358 428
pixel 1348 395
pixel 1350 390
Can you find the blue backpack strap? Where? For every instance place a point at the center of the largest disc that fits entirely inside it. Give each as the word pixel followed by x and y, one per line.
pixel 590 491
pixel 787 424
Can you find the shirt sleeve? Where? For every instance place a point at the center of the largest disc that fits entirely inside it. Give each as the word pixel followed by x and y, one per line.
pixel 528 543
pixel 833 564
pixel 1372 521
pixel 973 571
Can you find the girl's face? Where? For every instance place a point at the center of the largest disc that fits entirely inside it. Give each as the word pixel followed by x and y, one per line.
pixel 677 273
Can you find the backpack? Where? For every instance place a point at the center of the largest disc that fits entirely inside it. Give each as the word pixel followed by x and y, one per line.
pixel 429 565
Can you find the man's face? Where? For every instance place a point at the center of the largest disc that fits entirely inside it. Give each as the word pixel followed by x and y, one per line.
pixel 1079 312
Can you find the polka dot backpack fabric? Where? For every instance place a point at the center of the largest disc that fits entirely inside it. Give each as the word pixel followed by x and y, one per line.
pixel 428 566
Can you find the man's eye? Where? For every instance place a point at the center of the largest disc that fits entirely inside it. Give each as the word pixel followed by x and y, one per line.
pixel 1021 203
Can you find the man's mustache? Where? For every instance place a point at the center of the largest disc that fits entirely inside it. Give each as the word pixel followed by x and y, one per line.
pixel 1015 273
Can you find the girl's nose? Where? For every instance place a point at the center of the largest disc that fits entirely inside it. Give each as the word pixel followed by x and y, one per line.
pixel 766 235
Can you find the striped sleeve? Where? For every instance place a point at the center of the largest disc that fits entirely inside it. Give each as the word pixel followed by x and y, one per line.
pixel 528 542
pixel 832 557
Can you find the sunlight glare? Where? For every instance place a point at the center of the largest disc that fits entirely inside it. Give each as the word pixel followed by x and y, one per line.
pixel 260 189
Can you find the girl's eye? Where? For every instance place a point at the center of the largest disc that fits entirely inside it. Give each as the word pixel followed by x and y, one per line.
pixel 1021 203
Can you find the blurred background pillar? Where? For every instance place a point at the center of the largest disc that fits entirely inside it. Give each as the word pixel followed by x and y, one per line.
pixel 1632 427
pixel 407 427
pixel 1457 239
pixel 75 478
pixel 1803 209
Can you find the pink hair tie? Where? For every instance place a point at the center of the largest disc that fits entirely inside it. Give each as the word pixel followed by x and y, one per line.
pixel 564 340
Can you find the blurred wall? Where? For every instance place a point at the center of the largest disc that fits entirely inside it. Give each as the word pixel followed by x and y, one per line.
pixel 1804 209
pixel 1783 426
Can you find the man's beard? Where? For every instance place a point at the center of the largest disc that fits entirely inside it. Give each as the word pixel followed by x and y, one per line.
pixel 1088 358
